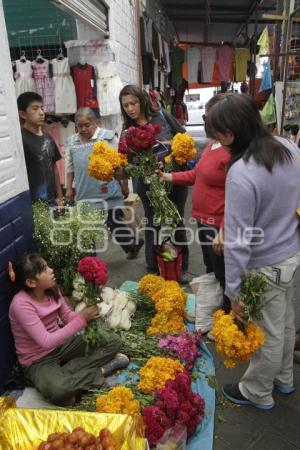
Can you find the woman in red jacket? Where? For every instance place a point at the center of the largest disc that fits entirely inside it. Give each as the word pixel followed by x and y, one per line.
pixel 208 199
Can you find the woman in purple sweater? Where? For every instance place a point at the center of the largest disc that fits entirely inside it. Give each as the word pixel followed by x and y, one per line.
pixel 262 234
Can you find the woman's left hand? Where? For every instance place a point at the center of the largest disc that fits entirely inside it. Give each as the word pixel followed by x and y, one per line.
pixel 238 309
pixel 125 189
pixel 120 174
pixel 218 243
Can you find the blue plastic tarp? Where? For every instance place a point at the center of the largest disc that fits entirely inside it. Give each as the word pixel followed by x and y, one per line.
pixel 204 369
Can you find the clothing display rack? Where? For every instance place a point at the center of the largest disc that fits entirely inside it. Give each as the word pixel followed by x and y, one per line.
pixel 48 45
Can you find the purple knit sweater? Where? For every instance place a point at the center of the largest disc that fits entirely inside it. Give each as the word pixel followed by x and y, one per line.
pixel 261 226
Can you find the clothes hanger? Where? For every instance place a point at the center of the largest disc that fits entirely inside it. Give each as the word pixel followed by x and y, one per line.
pixel 60 55
pixel 39 57
pixel 23 56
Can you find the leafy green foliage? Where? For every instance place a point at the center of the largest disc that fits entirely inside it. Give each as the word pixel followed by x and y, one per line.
pixel 61 240
pixel 253 290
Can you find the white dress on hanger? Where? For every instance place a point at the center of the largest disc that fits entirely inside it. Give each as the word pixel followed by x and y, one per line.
pixel 64 88
pixel 23 77
pixel 109 86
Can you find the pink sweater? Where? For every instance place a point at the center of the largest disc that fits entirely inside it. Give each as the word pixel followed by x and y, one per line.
pixel 35 326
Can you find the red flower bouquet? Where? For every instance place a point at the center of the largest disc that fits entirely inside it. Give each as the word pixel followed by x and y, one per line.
pixel 94 273
pixel 94 270
pixel 176 404
pixel 137 144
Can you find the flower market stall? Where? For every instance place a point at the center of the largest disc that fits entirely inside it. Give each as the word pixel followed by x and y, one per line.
pixel 170 364
pixel 165 371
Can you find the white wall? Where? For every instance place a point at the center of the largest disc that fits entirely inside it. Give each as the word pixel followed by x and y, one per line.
pixel 13 175
pixel 122 29
pixel 122 26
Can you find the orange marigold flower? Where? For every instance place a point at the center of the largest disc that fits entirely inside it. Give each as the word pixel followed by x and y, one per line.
pixel 235 344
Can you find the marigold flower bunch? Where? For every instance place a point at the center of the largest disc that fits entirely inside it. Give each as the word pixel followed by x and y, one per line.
pixel 119 400
pixel 185 347
pixel 156 371
pixel 149 284
pixel 166 323
pixel 235 344
pixel 104 160
pixel 183 149
pixel 176 404
pixel 169 303
pixel 172 293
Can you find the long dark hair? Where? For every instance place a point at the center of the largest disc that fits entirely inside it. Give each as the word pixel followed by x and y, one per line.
pixel 208 105
pixel 28 267
pixel 239 114
pixel 145 104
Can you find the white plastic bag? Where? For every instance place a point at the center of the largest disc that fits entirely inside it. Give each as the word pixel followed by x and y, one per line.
pixel 173 439
pixel 209 298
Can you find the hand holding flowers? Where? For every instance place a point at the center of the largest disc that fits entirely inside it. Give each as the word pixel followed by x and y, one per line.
pixel 137 145
pixel 94 273
pixel 237 336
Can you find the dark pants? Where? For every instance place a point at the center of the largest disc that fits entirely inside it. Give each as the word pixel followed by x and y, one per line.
pixel 178 196
pixel 69 370
pixel 122 233
pixel 213 262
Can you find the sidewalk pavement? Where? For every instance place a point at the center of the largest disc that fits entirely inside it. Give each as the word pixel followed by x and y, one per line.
pixel 236 427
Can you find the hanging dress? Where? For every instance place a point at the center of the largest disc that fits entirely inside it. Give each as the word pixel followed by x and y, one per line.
pixel 44 84
pixel 64 89
pixel 109 86
pixel 83 76
pixel 23 76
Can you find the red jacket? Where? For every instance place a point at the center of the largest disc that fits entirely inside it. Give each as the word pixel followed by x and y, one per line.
pixel 208 177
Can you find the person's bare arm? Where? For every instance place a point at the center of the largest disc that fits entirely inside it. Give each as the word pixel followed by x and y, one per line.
pixel 58 189
pixel 70 190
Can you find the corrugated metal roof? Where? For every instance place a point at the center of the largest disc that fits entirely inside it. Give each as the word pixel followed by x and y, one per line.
pixel 217 20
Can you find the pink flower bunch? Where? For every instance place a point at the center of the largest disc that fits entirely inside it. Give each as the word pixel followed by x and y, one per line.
pixel 185 347
pixel 94 270
pixel 176 404
pixel 139 138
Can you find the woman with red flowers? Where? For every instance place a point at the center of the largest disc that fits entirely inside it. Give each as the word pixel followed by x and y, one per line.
pixel 137 111
pixel 108 196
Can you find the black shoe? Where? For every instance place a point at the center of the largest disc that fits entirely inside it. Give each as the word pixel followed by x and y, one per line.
pixel 132 254
pixel 233 394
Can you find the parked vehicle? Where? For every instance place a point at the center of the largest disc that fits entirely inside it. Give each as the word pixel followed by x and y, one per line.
pixel 195 112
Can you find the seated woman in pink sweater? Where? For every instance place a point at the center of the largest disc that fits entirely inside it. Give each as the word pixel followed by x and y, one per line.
pixel 208 200
pixel 48 346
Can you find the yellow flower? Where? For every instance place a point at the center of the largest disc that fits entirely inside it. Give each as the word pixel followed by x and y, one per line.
pixel 150 284
pixel 119 400
pixel 183 148
pixel 169 300
pixel 233 343
pixel 156 371
pixel 104 160
pixel 166 323
pixel 168 159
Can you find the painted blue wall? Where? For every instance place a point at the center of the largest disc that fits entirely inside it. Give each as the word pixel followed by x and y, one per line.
pixel 16 228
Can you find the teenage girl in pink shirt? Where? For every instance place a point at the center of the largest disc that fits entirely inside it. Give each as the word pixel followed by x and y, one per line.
pixel 50 350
